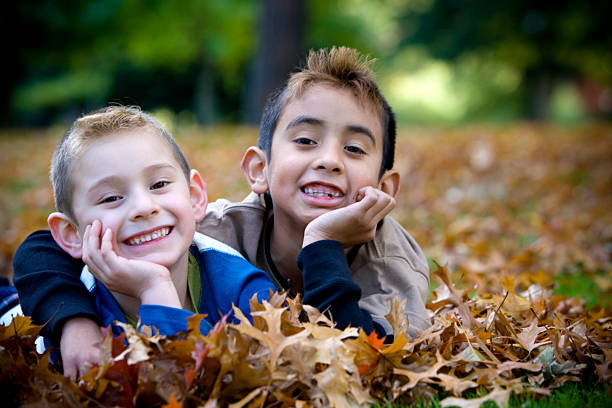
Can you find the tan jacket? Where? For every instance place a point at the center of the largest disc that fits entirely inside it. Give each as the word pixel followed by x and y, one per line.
pixel 390 265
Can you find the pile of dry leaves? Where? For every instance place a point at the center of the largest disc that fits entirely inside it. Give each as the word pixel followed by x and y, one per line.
pixel 493 345
pixel 505 209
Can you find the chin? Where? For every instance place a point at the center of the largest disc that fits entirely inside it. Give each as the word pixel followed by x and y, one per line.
pixel 167 261
pixel 311 215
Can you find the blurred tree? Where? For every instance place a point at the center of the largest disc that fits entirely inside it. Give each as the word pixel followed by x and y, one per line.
pixel 186 55
pixel 13 66
pixel 288 29
pixel 78 55
pixel 546 40
pixel 217 59
pixel 367 25
pixel 280 50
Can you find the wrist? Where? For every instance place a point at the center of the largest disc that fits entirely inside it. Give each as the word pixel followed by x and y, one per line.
pixel 78 325
pixel 161 293
pixel 313 235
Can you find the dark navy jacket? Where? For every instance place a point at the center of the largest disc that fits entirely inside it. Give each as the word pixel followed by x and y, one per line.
pixel 226 279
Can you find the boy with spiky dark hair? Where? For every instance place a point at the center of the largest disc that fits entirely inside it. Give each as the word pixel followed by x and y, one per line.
pixel 323 182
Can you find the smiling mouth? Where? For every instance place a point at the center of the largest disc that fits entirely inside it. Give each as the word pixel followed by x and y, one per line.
pixel 148 237
pixel 322 191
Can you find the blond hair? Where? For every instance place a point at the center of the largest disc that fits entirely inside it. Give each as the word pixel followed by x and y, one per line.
pixel 90 127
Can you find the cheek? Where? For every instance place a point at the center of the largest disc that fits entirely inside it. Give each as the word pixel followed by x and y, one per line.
pixel 363 178
pixel 181 208
pixel 111 223
pixel 109 219
pixel 278 180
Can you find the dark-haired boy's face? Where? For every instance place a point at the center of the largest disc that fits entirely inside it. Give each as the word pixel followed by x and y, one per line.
pixel 326 147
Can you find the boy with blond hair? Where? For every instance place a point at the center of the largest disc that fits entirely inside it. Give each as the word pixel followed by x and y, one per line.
pixel 127 205
pixel 322 184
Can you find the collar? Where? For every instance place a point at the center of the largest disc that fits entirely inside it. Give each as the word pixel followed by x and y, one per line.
pixel 194 281
pixel 284 283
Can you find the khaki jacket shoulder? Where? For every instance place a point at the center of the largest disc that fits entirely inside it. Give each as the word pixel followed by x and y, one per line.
pixel 391 265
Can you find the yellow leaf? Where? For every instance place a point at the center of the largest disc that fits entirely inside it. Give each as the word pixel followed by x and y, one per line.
pixel 136 350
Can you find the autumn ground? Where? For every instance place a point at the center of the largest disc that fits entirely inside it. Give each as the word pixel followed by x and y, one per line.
pixel 519 218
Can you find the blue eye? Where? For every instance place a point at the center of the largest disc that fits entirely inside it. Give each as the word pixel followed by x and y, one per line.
pixel 159 184
pixel 304 141
pixel 110 199
pixel 354 149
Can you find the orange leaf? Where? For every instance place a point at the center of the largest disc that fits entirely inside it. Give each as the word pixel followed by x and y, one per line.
pixel 375 341
pixel 363 368
pixel 172 403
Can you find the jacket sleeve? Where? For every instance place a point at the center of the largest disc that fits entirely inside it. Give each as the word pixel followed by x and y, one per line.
pixel 411 287
pixel 393 266
pixel 48 284
pixel 168 320
pixel 328 285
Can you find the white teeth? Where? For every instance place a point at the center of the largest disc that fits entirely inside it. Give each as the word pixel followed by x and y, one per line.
pixel 148 237
pixel 315 193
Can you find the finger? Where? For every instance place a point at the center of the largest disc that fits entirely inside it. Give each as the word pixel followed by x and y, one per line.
pixel 365 192
pixel 96 229
pixel 368 198
pixel 359 196
pixel 379 204
pixel 91 238
pixel 374 200
pixel 106 248
pixel 107 245
pixel 383 206
pixel 70 370
pixel 112 261
pixel 84 369
pixel 91 249
pixel 386 209
pixel 85 249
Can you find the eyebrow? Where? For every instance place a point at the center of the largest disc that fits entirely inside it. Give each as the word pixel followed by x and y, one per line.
pixel 160 166
pixel 114 179
pixel 362 129
pixel 302 119
pixel 309 120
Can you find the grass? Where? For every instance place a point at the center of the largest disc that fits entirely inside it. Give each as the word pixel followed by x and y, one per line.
pixel 569 395
pixel 578 281
pixel 584 394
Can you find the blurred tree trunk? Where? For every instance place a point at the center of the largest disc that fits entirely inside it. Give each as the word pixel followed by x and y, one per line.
pixel 204 94
pixel 281 28
pixel 540 87
pixel 12 68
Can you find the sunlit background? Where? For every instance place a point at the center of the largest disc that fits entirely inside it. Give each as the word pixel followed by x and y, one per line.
pixel 504 107
pixel 214 62
pixel 504 150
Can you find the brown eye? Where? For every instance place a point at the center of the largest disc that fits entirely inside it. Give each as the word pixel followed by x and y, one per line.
pixel 354 149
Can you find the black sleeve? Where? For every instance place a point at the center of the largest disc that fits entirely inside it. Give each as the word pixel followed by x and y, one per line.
pixel 328 284
pixel 49 286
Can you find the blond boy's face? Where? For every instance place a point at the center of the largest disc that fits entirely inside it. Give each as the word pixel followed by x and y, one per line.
pixel 132 183
pixel 325 148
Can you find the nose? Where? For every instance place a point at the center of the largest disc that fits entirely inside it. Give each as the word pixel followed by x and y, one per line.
pixel 329 158
pixel 142 205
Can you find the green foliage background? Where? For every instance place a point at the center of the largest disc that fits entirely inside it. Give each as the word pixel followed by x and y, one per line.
pixel 438 60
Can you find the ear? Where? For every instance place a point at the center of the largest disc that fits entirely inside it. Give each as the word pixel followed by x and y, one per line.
pixel 390 182
pixel 197 192
pixel 66 234
pixel 254 169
